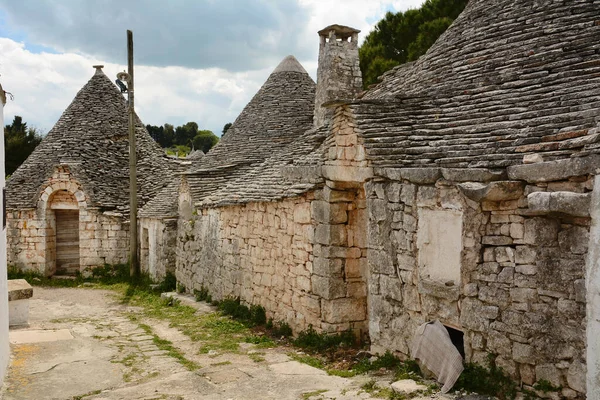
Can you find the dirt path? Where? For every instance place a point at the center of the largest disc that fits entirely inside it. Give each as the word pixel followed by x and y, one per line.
pixel 82 344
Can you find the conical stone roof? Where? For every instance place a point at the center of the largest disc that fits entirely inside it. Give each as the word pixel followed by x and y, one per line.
pixel 508 78
pixel 91 137
pixel 280 112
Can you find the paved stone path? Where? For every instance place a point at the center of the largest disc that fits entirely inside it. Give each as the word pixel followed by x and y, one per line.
pixel 81 344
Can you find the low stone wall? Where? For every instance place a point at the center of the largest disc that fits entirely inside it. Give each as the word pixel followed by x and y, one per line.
pixel 158 243
pixel 278 255
pixel 489 263
pixel 4 346
pixel 261 252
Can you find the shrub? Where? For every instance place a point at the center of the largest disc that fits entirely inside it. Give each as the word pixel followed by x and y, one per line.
pixel 202 294
pixel 282 329
pixel 492 380
pixel 310 339
pixel 258 315
pixel 234 308
pixel 168 284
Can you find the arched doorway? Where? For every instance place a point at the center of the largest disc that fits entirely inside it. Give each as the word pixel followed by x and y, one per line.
pixel 63 216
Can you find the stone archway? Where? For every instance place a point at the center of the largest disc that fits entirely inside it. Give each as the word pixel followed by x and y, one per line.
pixel 62 239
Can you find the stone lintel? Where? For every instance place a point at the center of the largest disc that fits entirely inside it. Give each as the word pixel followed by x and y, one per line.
pixel 19 289
pixel 473 174
pixel 493 191
pixel 575 204
pixel 555 170
pixel 414 175
pixel 347 174
pixel 113 214
pixel 438 289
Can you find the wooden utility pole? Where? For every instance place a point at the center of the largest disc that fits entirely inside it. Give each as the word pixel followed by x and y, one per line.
pixel 134 266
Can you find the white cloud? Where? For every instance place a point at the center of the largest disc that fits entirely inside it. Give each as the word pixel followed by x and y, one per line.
pixel 45 83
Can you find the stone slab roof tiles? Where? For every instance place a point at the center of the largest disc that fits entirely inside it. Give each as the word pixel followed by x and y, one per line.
pixel 280 112
pixel 290 171
pixel 91 137
pixel 508 78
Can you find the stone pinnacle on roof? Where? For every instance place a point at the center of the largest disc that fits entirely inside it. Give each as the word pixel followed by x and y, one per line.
pixel 289 64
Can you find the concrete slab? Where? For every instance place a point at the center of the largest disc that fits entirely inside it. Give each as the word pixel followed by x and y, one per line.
pixel 295 368
pixel 19 289
pixel 38 336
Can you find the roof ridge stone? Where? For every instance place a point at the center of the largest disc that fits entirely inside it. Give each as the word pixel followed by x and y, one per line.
pixel 289 64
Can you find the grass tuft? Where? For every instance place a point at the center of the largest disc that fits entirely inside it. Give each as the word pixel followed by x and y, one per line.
pixel 311 340
pixel 491 381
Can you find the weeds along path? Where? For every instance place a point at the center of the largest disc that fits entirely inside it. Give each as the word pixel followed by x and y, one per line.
pixel 86 343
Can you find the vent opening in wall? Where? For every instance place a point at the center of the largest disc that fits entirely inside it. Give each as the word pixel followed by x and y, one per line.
pixel 457 338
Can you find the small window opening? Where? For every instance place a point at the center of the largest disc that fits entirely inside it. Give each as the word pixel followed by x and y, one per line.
pixel 457 338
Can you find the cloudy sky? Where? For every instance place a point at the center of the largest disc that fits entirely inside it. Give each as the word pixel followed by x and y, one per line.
pixel 195 60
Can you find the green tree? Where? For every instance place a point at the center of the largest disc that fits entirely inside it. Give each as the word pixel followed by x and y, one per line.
pixel 169 135
pixel 184 134
pixel 226 127
pixel 205 140
pixel 405 36
pixel 19 143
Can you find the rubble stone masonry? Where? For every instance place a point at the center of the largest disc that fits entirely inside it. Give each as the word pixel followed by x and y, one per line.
pixel 279 255
pixel 520 295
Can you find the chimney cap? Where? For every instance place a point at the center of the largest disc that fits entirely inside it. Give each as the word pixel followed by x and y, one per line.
pixel 341 31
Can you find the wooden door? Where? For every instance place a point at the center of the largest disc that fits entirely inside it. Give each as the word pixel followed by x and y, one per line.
pixel 67 241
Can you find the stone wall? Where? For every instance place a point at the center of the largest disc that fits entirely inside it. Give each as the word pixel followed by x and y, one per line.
pixel 4 347
pixel 103 235
pixel 158 242
pixel 294 257
pixel 261 252
pixel 593 296
pixel 512 282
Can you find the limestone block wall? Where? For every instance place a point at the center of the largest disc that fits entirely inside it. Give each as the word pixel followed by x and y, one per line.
pixel 103 238
pixel 26 247
pixel 345 146
pixel 292 257
pixel 508 275
pixel 4 347
pixel 261 252
pixel 340 263
pixel 158 242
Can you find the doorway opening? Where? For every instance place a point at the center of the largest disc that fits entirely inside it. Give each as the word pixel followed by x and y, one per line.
pixel 62 246
pixel 457 338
